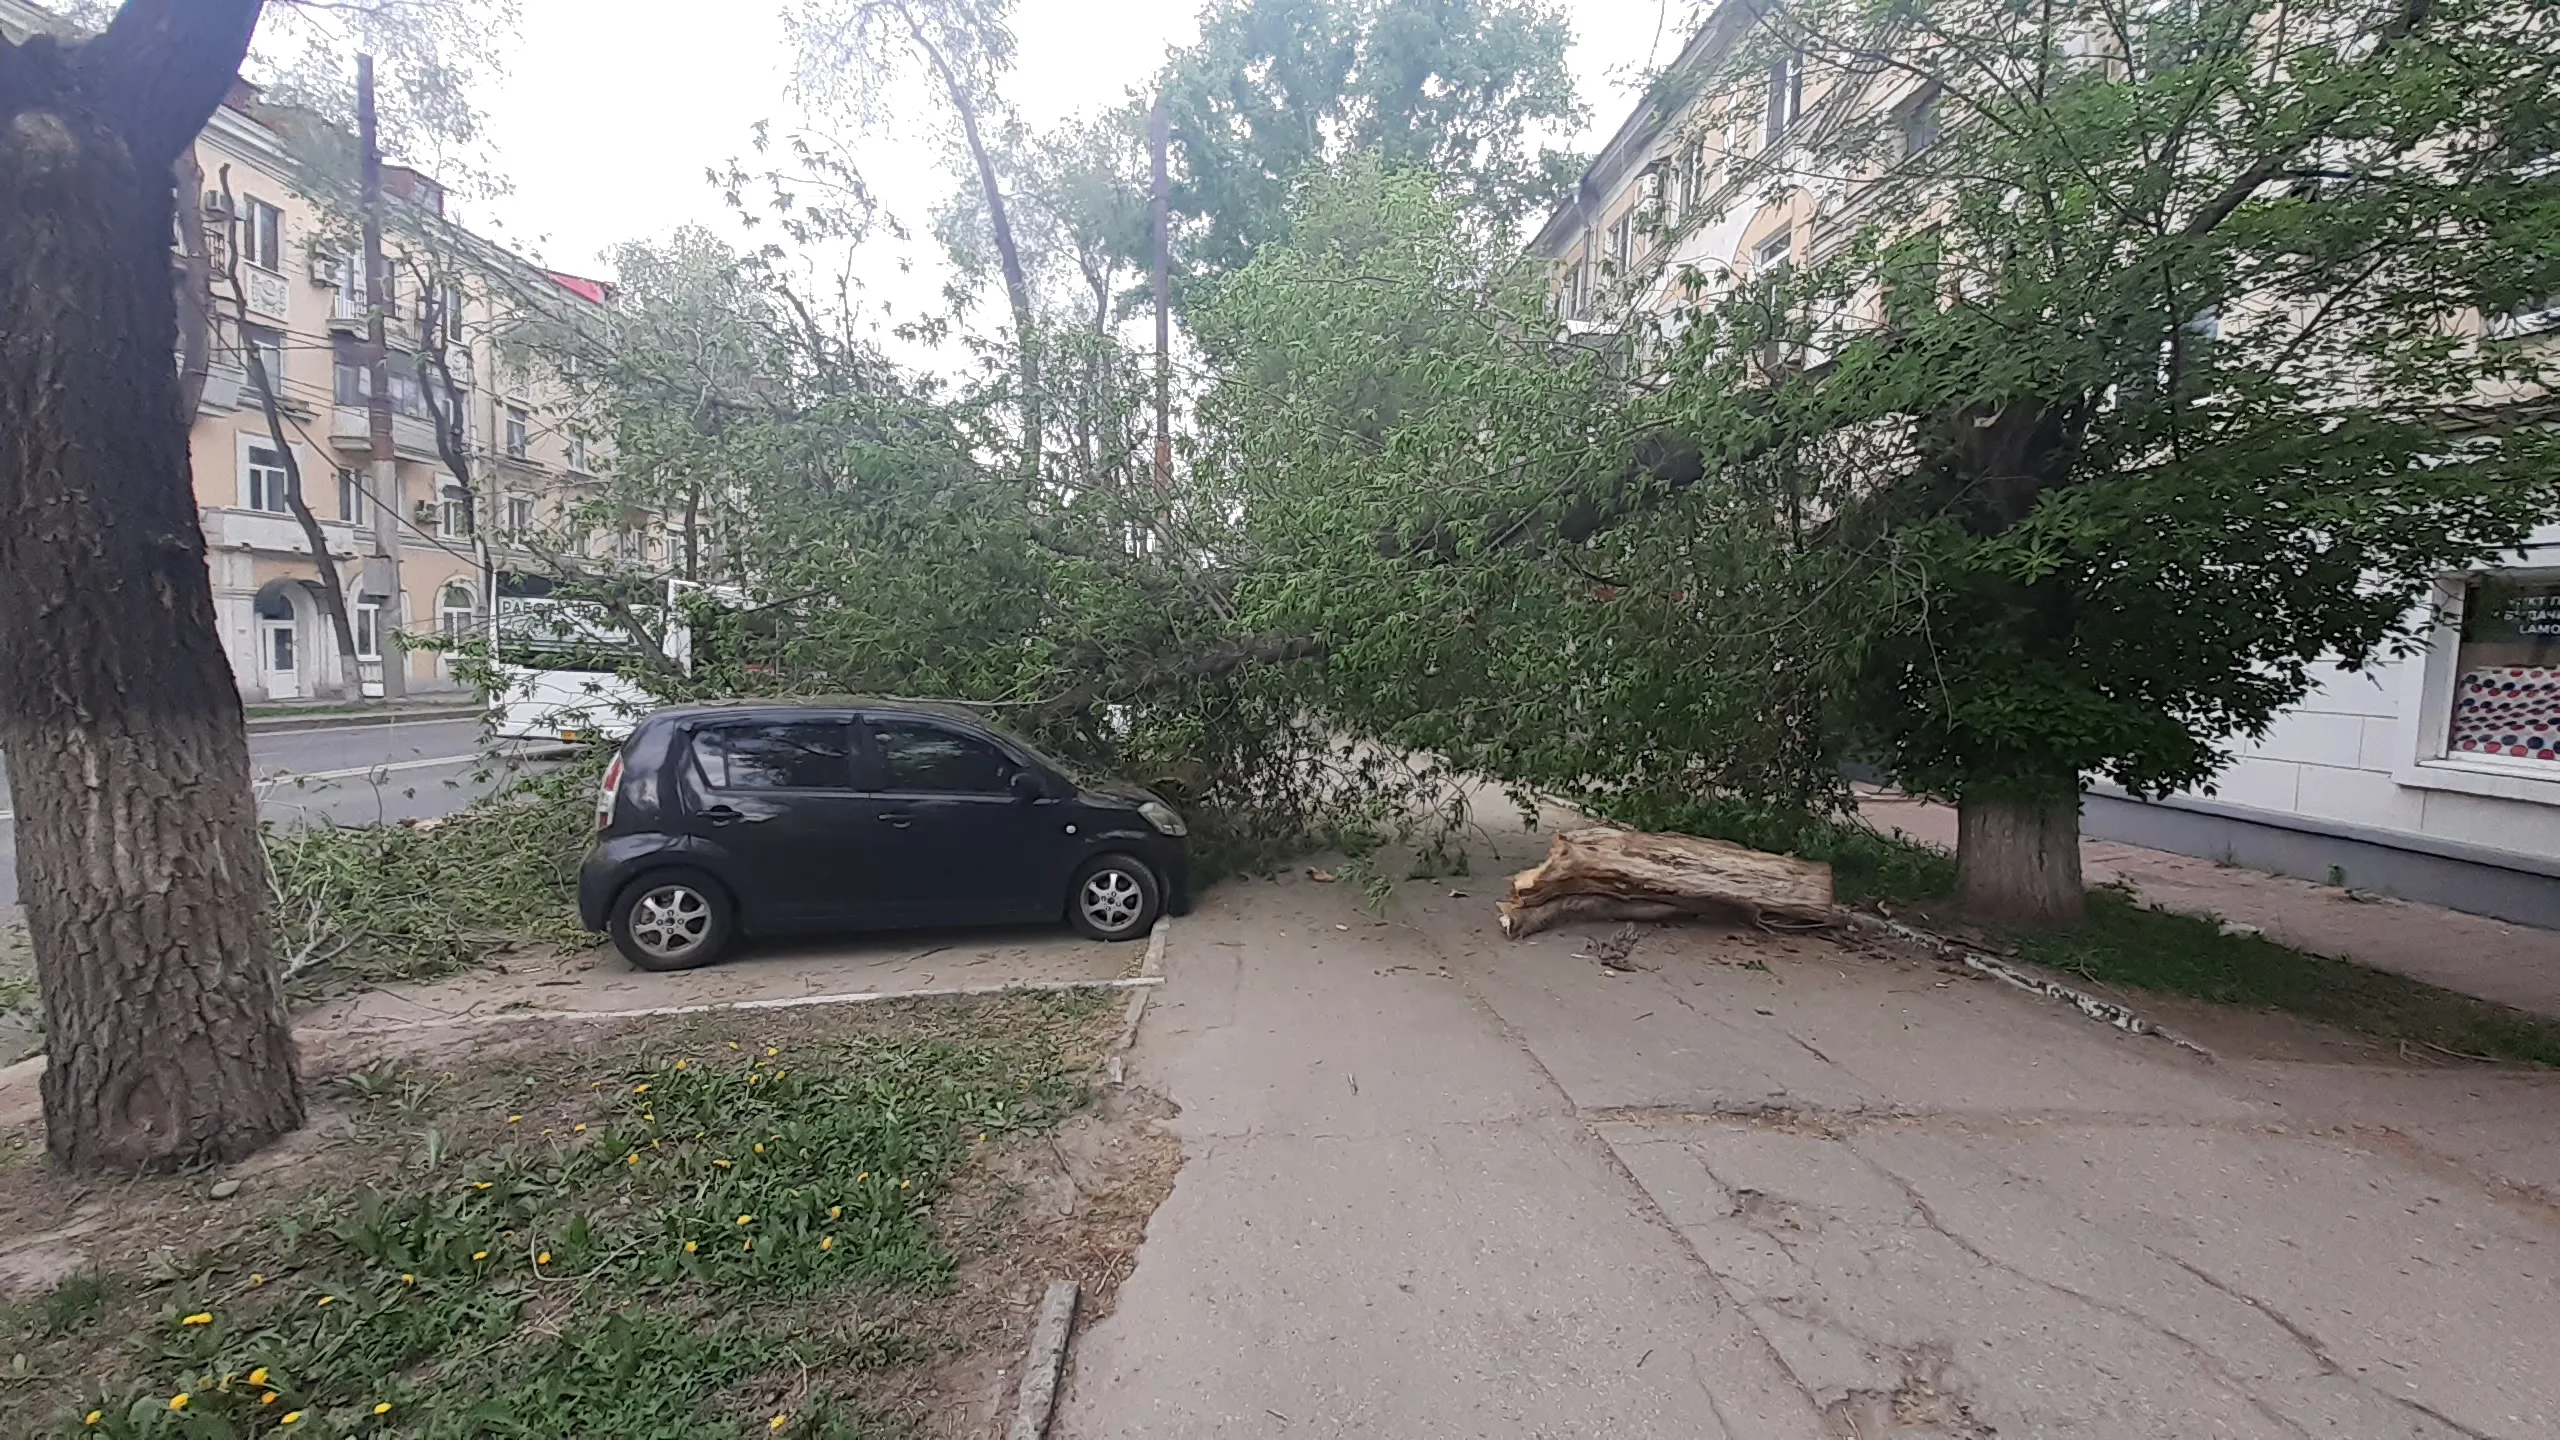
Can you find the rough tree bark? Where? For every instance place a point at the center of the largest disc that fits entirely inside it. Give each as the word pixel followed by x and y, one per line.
pixel 2018 860
pixel 137 833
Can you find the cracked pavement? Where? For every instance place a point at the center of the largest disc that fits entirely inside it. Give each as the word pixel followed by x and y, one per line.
pixel 1437 1184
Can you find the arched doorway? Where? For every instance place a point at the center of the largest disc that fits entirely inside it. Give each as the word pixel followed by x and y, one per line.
pixel 279 641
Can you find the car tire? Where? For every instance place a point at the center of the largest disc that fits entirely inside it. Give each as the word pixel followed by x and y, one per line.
pixel 673 920
pixel 1114 897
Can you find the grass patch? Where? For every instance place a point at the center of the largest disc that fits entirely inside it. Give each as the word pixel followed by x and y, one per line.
pixel 375 903
pixel 2125 943
pixel 696 1230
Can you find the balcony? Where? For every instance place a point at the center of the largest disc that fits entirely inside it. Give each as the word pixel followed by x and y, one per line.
pixel 412 437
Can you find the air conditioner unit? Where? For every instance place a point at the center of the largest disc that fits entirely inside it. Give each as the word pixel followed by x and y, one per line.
pixel 325 270
pixel 213 206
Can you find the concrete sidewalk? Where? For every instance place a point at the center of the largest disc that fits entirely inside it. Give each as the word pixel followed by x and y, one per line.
pixel 1440 1185
pixel 2511 964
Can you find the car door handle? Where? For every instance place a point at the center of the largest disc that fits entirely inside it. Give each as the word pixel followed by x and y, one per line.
pixel 897 819
pixel 723 814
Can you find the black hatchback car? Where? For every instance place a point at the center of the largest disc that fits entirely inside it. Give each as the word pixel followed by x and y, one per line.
pixel 775 818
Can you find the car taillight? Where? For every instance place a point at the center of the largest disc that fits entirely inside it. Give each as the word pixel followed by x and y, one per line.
pixel 607 792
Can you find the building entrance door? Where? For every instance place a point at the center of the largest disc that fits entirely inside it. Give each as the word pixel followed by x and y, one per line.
pixel 278 658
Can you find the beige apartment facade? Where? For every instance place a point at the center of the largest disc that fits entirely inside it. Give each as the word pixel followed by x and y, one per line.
pixel 2433 775
pixel 416 553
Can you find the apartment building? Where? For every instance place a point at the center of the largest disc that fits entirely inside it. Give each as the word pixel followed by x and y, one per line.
pixel 2432 775
pixel 420 552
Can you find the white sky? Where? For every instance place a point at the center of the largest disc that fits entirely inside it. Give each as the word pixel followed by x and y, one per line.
pixel 613 109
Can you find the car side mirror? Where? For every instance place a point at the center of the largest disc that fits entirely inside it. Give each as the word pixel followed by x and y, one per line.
pixel 1028 786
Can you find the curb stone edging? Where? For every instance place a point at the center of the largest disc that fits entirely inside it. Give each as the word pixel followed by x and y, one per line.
pixel 1046 1361
pixel 1982 962
pixel 1150 975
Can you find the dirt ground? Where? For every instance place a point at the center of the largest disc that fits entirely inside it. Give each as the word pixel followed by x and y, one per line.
pixel 1068 1202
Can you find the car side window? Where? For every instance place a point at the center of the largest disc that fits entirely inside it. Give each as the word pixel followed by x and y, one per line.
pixel 918 756
pixel 776 755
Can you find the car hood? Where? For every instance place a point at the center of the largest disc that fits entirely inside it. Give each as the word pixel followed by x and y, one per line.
pixel 1123 791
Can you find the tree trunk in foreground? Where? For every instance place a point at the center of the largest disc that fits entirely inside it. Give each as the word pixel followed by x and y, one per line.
pixel 2018 861
pixel 138 847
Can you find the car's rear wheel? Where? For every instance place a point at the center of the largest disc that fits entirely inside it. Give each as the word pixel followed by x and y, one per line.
pixel 1114 897
pixel 673 920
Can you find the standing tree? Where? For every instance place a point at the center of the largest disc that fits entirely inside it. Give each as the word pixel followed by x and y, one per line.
pixel 2152 376
pixel 1456 87
pixel 856 53
pixel 137 830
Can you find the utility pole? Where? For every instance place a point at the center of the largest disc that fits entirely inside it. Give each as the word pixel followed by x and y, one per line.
pixel 385 487
pixel 1158 126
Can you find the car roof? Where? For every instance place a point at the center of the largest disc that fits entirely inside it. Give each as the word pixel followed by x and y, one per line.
pixel 939 709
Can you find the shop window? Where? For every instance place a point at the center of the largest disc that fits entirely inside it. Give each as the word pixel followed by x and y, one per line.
pixel 2506 683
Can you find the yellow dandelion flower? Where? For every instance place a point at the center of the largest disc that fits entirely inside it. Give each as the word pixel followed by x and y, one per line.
pixel 691 1246
pixel 777 1422
pixel 680 1064
pixel 746 1219
pixel 479 1254
pixel 93 1417
pixel 480 1184
pixel 179 1400
pixel 733 1044
pixel 759 1149
pixel 750 1245
pixel 291 1417
pixel 201 1317
pixel 770 1050
pixel 829 1243
pixel 270 1397
pixel 382 1409
pixel 258 1376
pixel 631 1159
pixel 256 1279
pixel 542 1259
pixel 835 1212
pixel 328 1299
pixel 577 1129
pixel 723 1164
pixel 639 1089
pixel 515 1119
pixel 408 1279
pixel 903 1184
pixel 649 1115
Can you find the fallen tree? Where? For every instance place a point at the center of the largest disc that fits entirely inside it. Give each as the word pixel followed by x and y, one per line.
pixel 1598 873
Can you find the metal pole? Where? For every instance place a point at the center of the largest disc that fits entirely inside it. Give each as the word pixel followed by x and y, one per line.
pixel 1158 128
pixel 385 484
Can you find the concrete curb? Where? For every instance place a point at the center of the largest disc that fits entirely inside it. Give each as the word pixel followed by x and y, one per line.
pixel 351 719
pixel 1046 1361
pixel 1150 975
pixel 786 1002
pixel 1983 962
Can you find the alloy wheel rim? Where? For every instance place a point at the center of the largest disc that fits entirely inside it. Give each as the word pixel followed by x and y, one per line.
pixel 1112 900
pixel 670 920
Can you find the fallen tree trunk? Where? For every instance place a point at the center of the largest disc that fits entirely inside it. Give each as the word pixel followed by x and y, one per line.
pixel 1603 874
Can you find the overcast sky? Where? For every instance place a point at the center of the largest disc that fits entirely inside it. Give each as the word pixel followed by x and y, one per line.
pixel 614 108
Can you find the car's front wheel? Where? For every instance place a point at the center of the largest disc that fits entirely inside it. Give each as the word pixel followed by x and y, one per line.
pixel 1114 898
pixel 673 920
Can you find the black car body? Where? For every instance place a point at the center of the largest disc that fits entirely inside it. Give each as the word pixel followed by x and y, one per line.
pixel 811 816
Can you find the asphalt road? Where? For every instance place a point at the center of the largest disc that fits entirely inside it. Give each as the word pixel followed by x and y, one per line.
pixel 367 774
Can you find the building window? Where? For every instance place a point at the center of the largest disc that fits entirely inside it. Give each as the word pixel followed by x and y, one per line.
pixel 1577 290
pixel 519 516
pixel 367 623
pixel 1622 241
pixel 350 495
pixel 266 347
pixel 454 516
pixel 1773 255
pixel 1920 122
pixel 262 235
pixel 1786 93
pixel 2506 682
pixel 519 432
pixel 454 610
pixel 262 479
pixel 577 445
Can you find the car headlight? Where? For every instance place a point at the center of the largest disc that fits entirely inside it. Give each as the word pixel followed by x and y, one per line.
pixel 1166 819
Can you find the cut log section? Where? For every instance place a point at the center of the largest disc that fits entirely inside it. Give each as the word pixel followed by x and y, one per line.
pixel 1603 874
